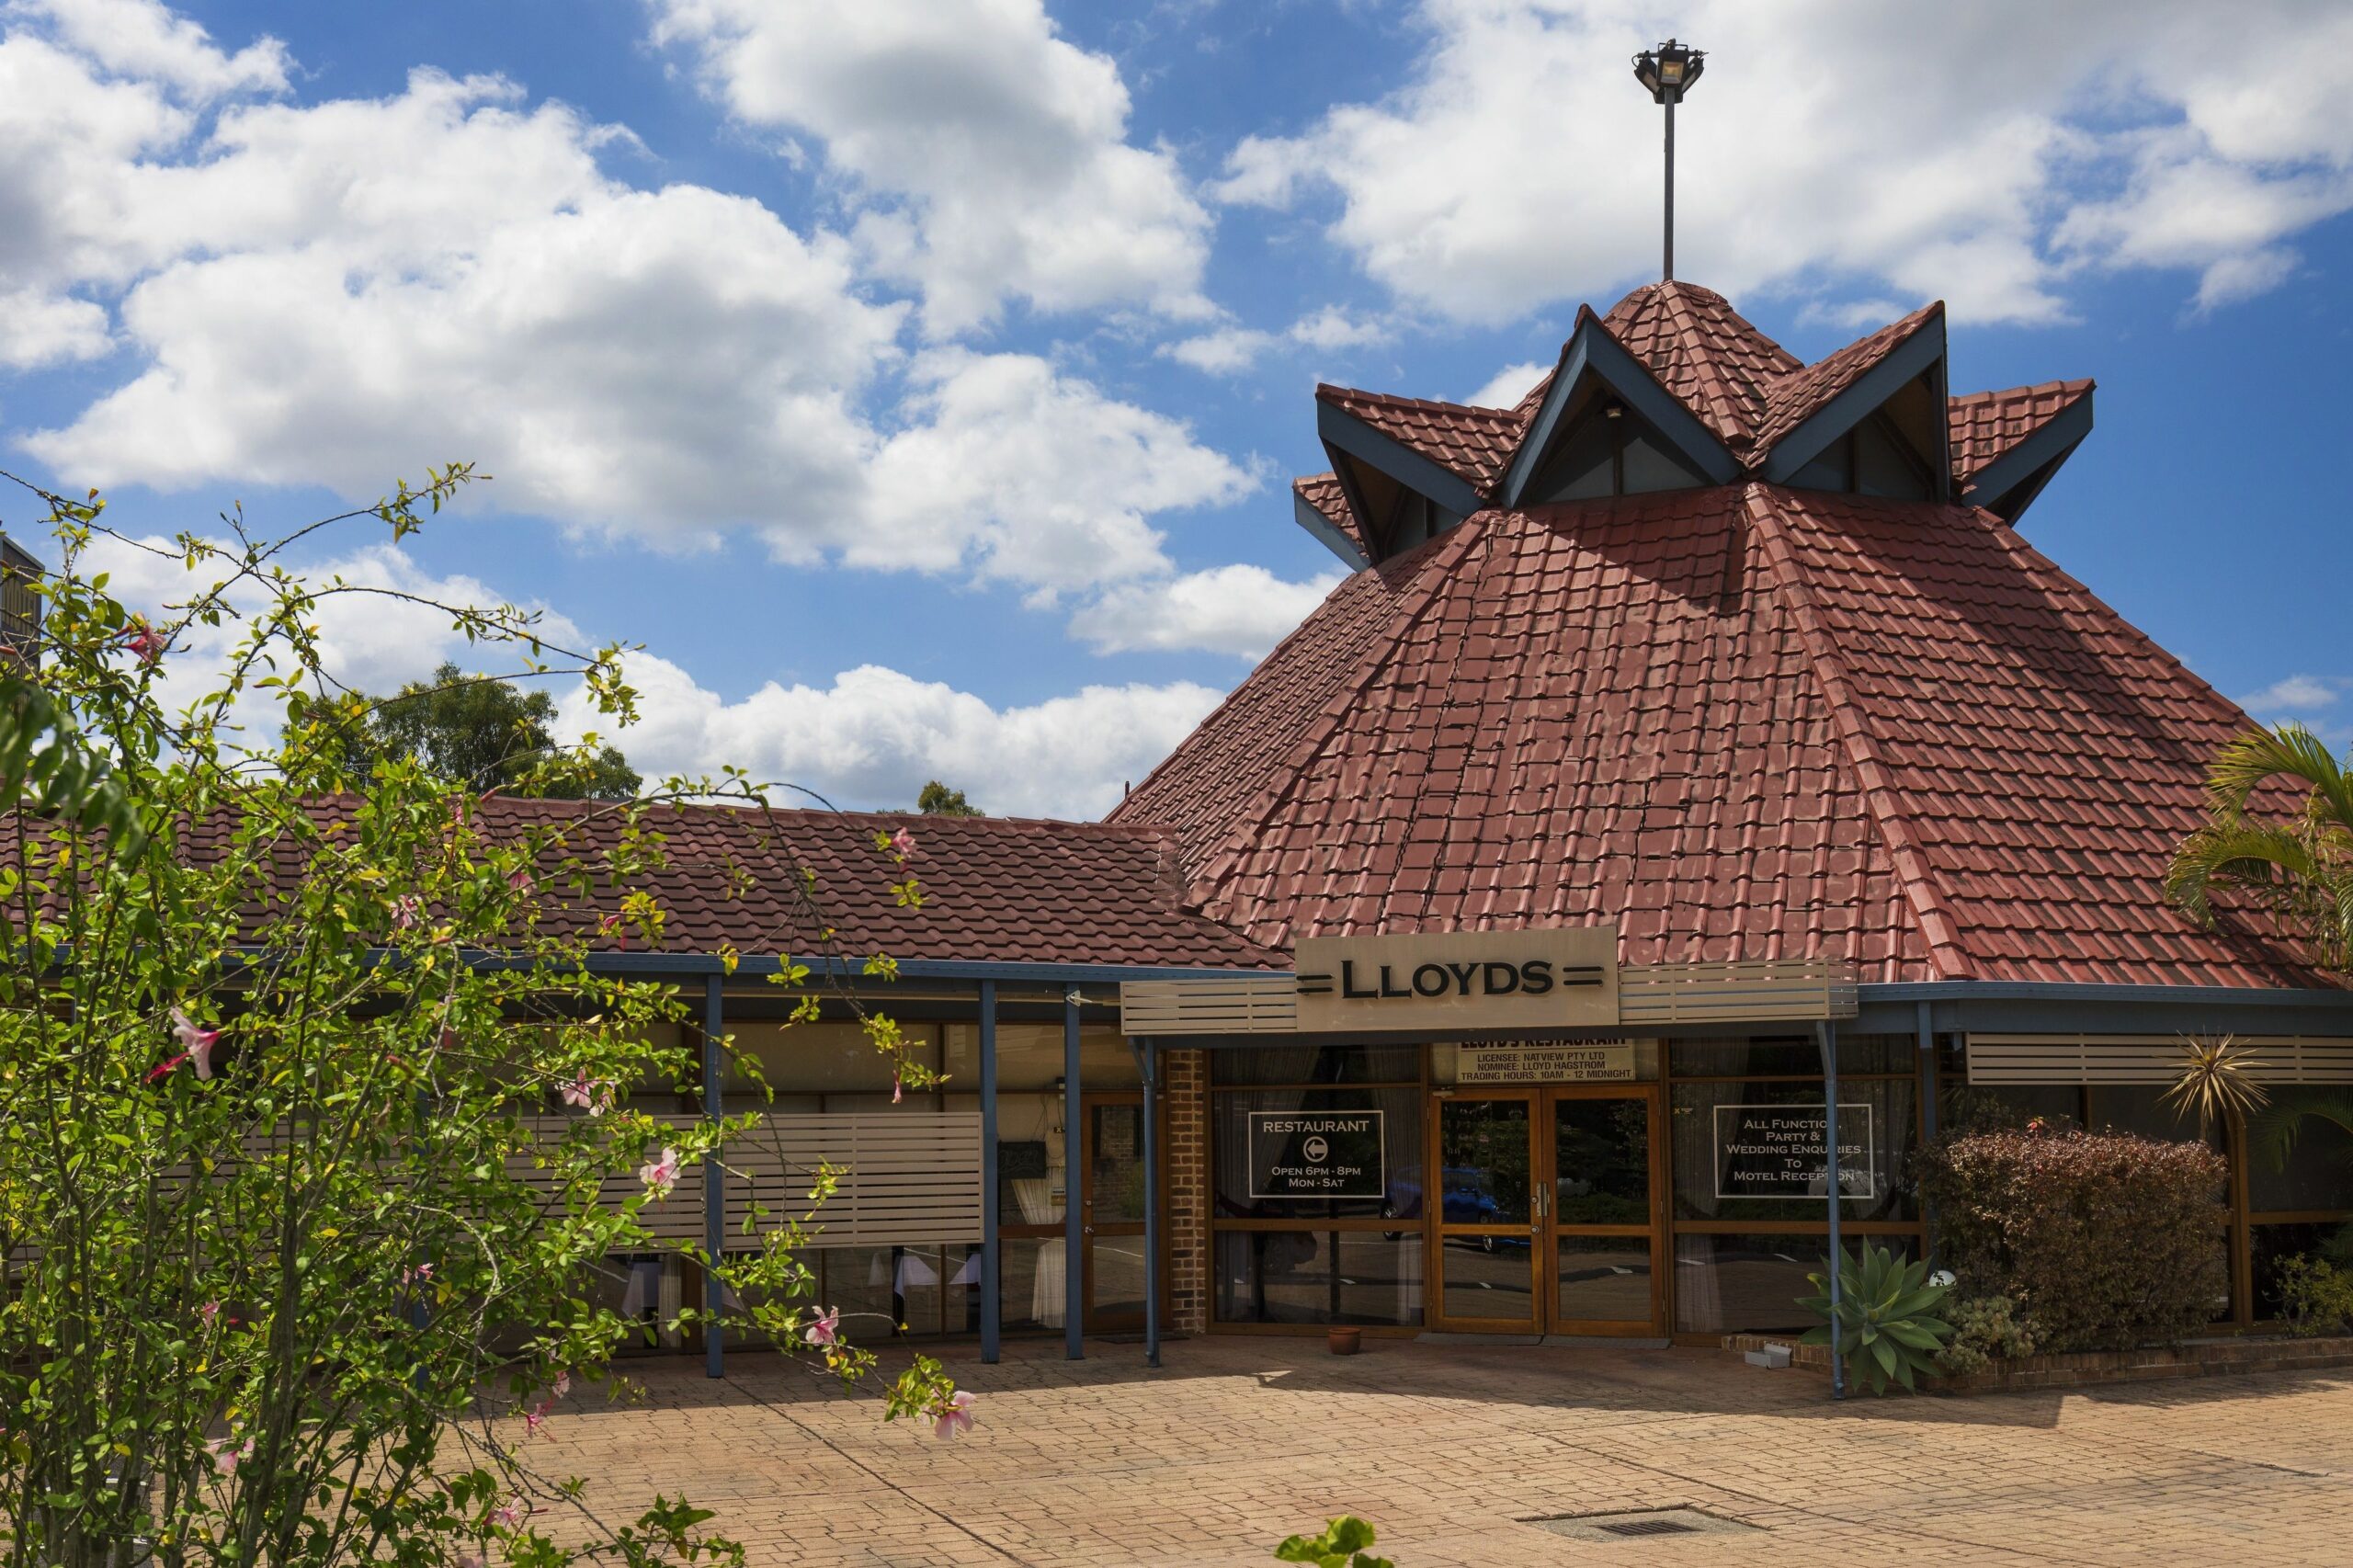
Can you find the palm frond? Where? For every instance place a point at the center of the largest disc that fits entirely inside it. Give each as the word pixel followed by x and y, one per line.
pixel 2252 760
pixel 2273 1133
pixel 2216 1081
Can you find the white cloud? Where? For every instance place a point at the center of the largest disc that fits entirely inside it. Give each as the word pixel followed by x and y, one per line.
pixel 1030 475
pixel 874 735
pixel 1520 165
pixel 41 329
pixel 2295 694
pixel 145 38
pixel 335 293
pixel 1228 351
pixel 1509 385
pixel 1333 328
pixel 990 153
pixel 1243 610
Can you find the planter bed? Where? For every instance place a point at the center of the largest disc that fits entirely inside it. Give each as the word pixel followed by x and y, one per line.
pixel 2192 1359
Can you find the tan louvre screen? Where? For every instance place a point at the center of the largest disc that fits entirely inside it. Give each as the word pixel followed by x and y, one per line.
pixel 1252 1003
pixel 907 1177
pixel 1766 991
pixel 2148 1059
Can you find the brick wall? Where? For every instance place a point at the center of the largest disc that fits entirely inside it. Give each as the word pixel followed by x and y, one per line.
pixel 1188 1190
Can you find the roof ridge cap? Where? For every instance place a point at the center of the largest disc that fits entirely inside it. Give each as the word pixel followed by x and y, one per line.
pixel 1435 570
pixel 1941 931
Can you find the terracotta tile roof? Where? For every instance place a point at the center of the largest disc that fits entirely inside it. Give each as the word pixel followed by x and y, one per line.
pixel 1743 722
pixel 1323 491
pixel 1475 444
pixel 1796 397
pixel 1007 889
pixel 1985 424
pixel 1704 352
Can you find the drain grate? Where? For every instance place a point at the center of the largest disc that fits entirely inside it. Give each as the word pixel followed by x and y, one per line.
pixel 1639 1524
pixel 1646 1527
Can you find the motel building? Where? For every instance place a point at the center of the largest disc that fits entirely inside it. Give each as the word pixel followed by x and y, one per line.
pixel 1698 790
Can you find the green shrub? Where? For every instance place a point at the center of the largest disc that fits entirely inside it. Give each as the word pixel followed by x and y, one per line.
pixel 1341 1545
pixel 2315 1297
pixel 2108 1240
pixel 1985 1329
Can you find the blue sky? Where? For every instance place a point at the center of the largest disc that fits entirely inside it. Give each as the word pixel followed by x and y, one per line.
pixel 920 379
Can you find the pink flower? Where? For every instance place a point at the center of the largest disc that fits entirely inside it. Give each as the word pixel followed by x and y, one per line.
pixel 207 1313
pixel 902 842
pixel 898 1088
pixel 195 1042
pixel 537 1417
pixel 660 1175
pixel 610 926
pixel 143 641
pixel 826 1327
pixel 471 1560
pixel 954 1418
pixel 228 1454
pixel 406 911
pixel 591 1094
pixel 562 1386
pixel 417 1275
pixel 511 1514
pixel 520 880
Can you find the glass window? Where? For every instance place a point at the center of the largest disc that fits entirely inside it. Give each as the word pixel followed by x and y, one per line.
pixel 1359 1276
pixel 1483 1155
pixel 1601 1174
pixel 1735 1158
pixel 2005 1107
pixel 2316 1173
pixel 2270 1246
pixel 1489 1277
pixel 1029 1057
pixel 1316 1064
pixel 1604 1278
pixel 1401 1147
pixel 2138 1109
pixel 1752 1284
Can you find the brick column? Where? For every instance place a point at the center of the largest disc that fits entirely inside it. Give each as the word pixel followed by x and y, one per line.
pixel 1187 1160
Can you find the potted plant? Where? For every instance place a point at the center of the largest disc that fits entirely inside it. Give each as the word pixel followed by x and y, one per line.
pixel 1345 1339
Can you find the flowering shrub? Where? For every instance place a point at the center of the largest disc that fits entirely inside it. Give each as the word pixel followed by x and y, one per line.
pixel 302 1212
pixel 2316 1296
pixel 1985 1329
pixel 2107 1240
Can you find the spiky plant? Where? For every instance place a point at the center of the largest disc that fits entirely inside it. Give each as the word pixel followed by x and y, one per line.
pixel 2299 869
pixel 1880 1326
pixel 2217 1081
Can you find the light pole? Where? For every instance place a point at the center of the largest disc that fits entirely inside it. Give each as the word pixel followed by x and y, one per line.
pixel 1668 71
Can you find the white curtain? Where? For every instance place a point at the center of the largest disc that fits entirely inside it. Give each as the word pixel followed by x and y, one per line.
pixel 1047 1292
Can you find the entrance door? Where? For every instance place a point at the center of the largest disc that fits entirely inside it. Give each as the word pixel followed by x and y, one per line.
pixel 1112 1212
pixel 1550 1218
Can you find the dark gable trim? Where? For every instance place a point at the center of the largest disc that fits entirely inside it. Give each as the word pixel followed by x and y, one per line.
pixel 2008 484
pixel 1922 353
pixel 1343 431
pixel 1591 349
pixel 1326 532
pixel 1996 1006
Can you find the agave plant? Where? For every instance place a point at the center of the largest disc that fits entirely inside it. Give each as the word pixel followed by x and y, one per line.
pixel 2216 1081
pixel 1880 1326
pixel 2299 869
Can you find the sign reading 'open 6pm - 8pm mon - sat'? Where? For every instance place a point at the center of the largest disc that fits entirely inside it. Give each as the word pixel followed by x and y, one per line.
pixel 1317 1154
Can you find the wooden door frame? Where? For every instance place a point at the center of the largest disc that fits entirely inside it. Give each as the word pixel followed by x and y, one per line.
pixel 1654 1097
pixel 1082 1192
pixel 1437 1230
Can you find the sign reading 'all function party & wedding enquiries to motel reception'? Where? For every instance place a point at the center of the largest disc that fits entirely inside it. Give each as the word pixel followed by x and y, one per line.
pixel 1782 1150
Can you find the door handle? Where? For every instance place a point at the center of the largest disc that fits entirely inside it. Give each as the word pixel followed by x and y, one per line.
pixel 1087 1230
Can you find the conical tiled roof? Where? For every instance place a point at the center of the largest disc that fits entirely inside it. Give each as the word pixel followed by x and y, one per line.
pixel 1741 721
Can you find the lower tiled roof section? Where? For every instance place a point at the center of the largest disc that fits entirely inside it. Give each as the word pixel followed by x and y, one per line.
pixel 1000 889
pixel 2043 754
pixel 1327 496
pixel 1985 424
pixel 1742 722
pixel 1704 352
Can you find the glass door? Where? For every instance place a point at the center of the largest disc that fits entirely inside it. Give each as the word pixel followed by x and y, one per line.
pixel 1112 1211
pixel 1604 1271
pixel 1486 1232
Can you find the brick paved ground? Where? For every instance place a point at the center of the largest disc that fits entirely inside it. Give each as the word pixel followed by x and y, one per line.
pixel 1239 1441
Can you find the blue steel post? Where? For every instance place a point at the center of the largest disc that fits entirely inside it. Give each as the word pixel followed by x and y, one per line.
pixel 1827 1035
pixel 1926 1037
pixel 1073 1185
pixel 1148 1059
pixel 714 1189
pixel 990 1308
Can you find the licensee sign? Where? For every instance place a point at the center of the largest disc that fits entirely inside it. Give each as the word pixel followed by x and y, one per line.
pixel 1779 1151
pixel 1588 1062
pixel 1317 1154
